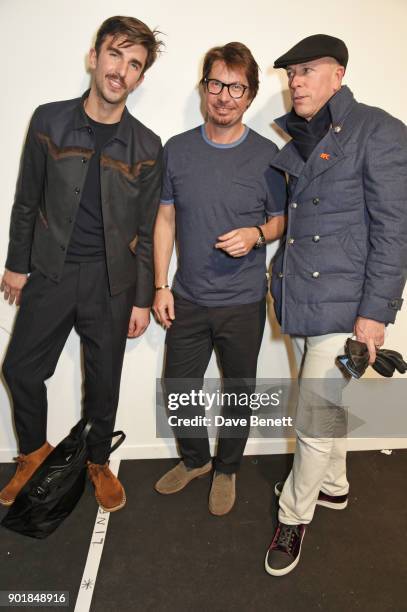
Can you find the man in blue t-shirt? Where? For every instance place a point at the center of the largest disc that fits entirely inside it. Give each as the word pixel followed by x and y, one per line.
pixel 223 201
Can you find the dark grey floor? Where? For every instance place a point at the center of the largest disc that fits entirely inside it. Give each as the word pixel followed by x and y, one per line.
pixel 169 554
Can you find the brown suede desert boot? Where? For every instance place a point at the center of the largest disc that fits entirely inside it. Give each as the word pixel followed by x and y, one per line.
pixel 109 491
pixel 176 479
pixel 223 494
pixel 26 466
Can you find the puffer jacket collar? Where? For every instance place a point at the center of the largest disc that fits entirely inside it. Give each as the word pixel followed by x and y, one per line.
pixel 326 154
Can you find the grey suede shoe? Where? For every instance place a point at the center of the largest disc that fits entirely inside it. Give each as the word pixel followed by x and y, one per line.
pixel 223 494
pixel 177 479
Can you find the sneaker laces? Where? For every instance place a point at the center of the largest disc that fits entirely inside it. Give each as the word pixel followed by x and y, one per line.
pixel 286 537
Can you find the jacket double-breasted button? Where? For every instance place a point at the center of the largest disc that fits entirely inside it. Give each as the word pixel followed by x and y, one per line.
pixel 291 240
pixel 293 205
pixel 315 201
pixel 315 274
pixel 315 238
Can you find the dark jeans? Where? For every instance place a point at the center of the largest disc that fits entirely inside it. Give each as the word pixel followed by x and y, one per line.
pixel 236 333
pixel 47 314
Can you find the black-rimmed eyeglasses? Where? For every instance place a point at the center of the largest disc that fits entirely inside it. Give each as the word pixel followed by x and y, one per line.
pixel 236 90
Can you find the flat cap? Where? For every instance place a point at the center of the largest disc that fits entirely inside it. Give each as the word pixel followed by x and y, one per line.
pixel 314 47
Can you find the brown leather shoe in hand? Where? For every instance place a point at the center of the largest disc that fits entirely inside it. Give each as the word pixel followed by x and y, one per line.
pixel 109 491
pixel 26 466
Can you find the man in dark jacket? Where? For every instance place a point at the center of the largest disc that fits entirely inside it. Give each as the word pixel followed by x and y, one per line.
pixel 341 270
pixel 80 251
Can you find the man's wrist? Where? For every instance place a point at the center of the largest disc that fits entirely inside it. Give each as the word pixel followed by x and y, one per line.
pixel 261 241
pixel 159 287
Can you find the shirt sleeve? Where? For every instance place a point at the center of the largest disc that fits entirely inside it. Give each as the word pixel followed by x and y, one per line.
pixel 167 192
pixel 276 188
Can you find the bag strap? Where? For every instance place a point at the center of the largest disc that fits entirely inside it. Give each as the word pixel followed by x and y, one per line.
pixel 86 429
pixel 122 437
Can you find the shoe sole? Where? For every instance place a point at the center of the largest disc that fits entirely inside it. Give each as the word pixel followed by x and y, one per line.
pixel 178 489
pixel 119 507
pixel 325 504
pixel 4 502
pixel 284 570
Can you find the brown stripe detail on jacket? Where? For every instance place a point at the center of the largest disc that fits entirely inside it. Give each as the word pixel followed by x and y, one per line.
pixel 129 171
pixel 133 244
pixel 62 152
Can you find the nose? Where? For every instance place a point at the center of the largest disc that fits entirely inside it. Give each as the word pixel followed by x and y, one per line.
pixel 295 81
pixel 121 68
pixel 224 95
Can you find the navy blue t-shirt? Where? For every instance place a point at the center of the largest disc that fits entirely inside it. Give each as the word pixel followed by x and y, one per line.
pixel 217 188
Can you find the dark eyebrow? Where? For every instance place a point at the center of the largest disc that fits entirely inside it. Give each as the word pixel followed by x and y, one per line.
pixel 117 50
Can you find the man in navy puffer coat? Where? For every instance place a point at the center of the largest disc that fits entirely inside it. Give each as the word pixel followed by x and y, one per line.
pixel 342 267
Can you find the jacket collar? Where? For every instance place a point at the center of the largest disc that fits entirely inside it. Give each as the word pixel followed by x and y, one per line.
pixel 81 120
pixel 329 150
pixel 339 106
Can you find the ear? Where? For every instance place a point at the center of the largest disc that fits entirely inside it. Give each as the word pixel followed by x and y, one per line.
pixel 339 74
pixel 249 103
pixel 92 58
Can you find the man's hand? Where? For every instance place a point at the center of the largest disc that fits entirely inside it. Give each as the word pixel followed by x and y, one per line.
pixel 371 333
pixel 163 307
pixel 238 242
pixel 139 321
pixel 12 284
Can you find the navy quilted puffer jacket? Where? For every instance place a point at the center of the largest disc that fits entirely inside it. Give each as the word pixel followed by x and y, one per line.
pixel 345 252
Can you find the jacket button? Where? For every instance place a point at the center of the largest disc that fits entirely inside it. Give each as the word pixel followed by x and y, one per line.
pixel 315 238
pixel 315 201
pixel 291 241
pixel 315 274
pixel 77 190
pixel 84 160
pixel 62 247
pixel 89 130
pixel 293 204
pixel 280 275
pixel 337 129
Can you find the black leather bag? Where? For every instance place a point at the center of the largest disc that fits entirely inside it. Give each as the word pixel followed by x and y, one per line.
pixel 56 486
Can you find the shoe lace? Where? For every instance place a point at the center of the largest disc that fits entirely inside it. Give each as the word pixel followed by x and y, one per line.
pixel 287 536
pixel 96 468
pixel 21 460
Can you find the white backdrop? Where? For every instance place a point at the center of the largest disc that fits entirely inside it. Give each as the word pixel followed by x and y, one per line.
pixel 44 46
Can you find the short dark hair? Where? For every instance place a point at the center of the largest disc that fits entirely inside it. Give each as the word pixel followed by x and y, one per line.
pixel 234 54
pixel 136 33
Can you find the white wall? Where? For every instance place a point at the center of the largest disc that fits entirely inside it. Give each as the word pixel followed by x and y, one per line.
pixel 43 49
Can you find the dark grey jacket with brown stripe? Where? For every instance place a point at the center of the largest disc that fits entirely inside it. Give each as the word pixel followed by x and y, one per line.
pixel 52 175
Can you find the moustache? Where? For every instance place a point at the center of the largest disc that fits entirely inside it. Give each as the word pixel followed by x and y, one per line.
pixel 116 77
